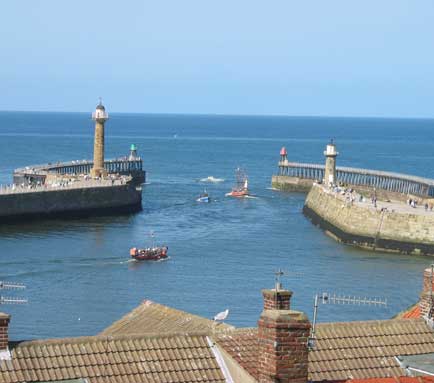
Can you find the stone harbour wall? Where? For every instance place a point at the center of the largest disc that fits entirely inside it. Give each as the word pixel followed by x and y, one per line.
pixel 75 201
pixel 368 228
pixel 288 183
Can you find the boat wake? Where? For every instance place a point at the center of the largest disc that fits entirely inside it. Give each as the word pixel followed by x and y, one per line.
pixel 163 259
pixel 136 261
pixel 241 197
pixel 211 179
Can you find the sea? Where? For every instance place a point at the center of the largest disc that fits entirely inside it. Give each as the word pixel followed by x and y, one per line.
pixel 78 274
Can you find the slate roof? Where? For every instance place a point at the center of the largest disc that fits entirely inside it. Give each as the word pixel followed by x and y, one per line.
pixel 151 317
pixel 349 350
pixel 101 359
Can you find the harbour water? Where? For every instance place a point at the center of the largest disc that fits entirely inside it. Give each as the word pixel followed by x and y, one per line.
pixel 78 275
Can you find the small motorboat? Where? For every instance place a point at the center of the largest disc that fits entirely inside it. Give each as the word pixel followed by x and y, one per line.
pixel 238 193
pixel 204 197
pixel 241 189
pixel 153 253
pixel 149 254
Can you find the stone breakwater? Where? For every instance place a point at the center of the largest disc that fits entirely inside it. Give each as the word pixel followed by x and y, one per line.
pixel 77 199
pixel 291 184
pixel 390 227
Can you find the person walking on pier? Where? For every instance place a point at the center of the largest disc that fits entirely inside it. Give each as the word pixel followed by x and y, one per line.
pixel 374 199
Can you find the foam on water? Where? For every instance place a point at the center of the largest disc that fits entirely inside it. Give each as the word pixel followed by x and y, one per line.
pixel 212 179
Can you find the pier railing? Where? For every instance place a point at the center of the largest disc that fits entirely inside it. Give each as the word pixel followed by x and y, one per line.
pixel 395 182
pixel 119 165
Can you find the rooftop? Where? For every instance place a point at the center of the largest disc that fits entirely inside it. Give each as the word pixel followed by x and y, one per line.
pixel 151 317
pixel 151 358
pixel 401 379
pixel 349 350
pixel 412 312
pixel 156 343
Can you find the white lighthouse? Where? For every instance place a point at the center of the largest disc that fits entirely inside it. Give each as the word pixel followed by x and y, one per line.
pixel 330 165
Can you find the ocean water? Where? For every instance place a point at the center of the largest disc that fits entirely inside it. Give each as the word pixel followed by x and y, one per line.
pixel 78 274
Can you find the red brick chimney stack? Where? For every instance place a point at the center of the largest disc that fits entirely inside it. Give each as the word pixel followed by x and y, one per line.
pixel 283 335
pixel 426 297
pixel 276 300
pixel 4 324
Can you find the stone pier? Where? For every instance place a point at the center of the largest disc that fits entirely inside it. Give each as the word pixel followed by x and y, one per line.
pixel 388 226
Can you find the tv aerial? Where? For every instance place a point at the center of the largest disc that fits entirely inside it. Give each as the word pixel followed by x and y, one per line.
pixel 11 300
pixel 279 273
pixel 334 299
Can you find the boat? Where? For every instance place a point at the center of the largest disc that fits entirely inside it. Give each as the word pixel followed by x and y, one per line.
pixel 149 254
pixel 153 253
pixel 241 189
pixel 204 197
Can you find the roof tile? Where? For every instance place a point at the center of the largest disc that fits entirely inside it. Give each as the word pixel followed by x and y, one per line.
pixel 399 379
pixel 345 350
pixel 171 358
pixel 152 317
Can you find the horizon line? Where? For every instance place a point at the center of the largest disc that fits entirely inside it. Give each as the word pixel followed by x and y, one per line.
pixel 226 114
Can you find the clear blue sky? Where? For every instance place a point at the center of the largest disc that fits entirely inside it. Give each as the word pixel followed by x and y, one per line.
pixel 324 57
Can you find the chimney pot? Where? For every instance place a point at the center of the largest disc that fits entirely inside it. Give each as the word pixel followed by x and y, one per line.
pixel 276 299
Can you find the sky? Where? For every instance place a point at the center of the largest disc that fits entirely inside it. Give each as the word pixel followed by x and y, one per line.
pixel 278 57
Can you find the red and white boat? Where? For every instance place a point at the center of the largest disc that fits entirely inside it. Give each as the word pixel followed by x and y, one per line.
pixel 241 189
